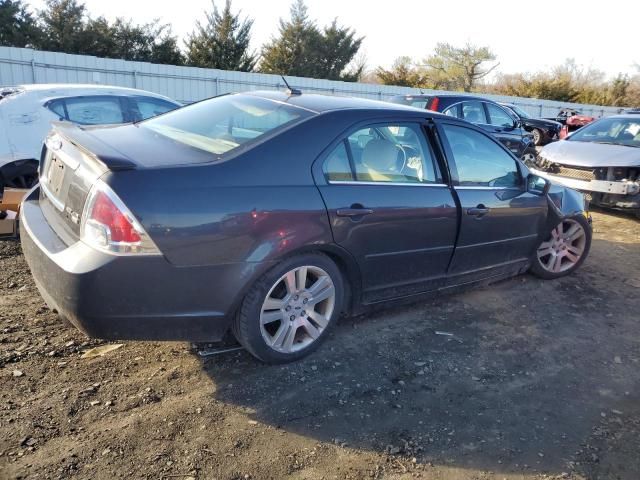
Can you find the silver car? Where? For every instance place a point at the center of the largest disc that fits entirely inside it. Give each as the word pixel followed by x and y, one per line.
pixel 601 159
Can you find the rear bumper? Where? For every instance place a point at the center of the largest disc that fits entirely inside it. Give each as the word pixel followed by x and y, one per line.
pixel 129 298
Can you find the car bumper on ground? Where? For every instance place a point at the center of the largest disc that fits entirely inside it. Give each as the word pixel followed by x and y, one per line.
pixel 129 298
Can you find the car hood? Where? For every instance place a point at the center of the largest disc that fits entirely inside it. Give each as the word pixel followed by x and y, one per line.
pixel 589 154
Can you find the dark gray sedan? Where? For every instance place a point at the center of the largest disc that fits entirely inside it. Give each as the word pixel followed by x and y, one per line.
pixel 274 213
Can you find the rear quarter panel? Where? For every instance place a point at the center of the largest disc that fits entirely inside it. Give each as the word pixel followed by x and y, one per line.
pixel 257 207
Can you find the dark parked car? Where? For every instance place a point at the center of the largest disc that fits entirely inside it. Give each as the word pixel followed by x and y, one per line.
pixel 487 114
pixel 272 214
pixel 542 130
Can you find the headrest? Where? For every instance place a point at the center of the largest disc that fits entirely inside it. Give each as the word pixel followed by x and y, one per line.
pixel 380 154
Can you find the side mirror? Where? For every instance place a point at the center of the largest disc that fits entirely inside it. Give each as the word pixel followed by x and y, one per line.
pixel 537 185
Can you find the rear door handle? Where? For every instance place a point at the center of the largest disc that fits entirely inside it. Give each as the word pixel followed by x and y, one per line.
pixel 478 211
pixel 353 212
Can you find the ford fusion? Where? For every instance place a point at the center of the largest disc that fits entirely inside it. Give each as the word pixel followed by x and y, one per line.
pixel 271 214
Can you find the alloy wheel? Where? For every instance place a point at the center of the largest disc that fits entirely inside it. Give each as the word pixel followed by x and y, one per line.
pixel 536 136
pixel 564 248
pixel 297 309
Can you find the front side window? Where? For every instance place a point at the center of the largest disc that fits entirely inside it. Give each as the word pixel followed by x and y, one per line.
pixel 474 112
pixel 94 110
pixel 222 124
pixel 386 153
pixel 479 160
pixel 498 116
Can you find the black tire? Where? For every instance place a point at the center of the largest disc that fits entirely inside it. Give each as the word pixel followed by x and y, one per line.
pixel 246 325
pixel 540 271
pixel 538 137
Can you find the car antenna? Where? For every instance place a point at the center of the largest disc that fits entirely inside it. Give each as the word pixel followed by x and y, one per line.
pixel 290 91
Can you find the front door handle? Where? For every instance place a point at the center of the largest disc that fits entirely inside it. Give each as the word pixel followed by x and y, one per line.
pixel 478 211
pixel 353 212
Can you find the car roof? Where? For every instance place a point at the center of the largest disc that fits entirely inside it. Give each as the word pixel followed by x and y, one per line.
pixel 445 95
pixel 51 90
pixel 324 103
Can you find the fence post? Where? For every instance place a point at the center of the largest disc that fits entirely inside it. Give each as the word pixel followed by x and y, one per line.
pixel 217 87
pixel 33 70
pixel 135 79
pixel 540 110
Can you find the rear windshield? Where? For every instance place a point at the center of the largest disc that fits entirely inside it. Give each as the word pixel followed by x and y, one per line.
pixel 222 124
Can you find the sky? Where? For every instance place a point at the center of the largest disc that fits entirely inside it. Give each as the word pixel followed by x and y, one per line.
pixel 525 36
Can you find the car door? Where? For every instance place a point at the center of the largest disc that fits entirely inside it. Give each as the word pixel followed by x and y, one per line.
pixel 389 207
pixel 500 220
pixel 503 126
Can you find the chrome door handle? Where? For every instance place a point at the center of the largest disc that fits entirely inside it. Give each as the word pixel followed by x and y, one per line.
pixel 353 212
pixel 478 211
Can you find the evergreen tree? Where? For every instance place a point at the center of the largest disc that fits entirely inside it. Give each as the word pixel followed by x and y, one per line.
pixel 302 49
pixel 63 23
pixel 18 28
pixel 222 42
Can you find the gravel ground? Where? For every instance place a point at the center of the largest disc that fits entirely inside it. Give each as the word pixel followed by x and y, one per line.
pixel 536 380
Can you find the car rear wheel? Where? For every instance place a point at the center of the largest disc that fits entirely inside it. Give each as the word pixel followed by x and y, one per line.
pixel 287 313
pixel 564 251
pixel 537 136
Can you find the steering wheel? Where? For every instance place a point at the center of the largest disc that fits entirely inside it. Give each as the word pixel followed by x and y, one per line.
pixel 402 158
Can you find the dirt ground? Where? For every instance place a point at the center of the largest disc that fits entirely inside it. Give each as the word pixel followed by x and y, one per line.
pixel 537 380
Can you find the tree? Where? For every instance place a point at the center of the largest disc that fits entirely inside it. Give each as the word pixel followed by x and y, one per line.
pixel 223 42
pixel 458 68
pixel 18 28
pixel 302 49
pixel 63 23
pixel 403 74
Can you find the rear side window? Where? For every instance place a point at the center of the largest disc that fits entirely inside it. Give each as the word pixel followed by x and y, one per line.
pixel 479 161
pixel 474 112
pixel 383 153
pixel 147 107
pixel 94 110
pixel 222 124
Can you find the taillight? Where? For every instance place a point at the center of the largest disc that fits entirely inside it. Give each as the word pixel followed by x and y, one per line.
pixel 108 225
pixel 435 102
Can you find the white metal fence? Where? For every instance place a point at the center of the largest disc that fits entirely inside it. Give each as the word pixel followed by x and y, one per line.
pixel 189 84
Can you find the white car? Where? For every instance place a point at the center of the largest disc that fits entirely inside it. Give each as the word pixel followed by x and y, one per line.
pixel 26 113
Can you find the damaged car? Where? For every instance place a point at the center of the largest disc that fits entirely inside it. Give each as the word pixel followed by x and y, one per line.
pixel 287 210
pixel 601 159
pixel 26 113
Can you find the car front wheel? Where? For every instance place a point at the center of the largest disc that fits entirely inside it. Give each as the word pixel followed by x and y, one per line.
pixel 288 312
pixel 537 136
pixel 564 250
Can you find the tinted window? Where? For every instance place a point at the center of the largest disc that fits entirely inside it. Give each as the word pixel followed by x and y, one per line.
pixel 473 112
pixel 148 107
pixel 336 167
pixel 57 107
pixel 479 160
pixel 384 153
pixel 222 124
pixel 498 116
pixel 94 110
pixel 419 103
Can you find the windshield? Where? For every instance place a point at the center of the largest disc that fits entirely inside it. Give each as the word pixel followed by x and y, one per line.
pixel 616 131
pixel 519 111
pixel 221 124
